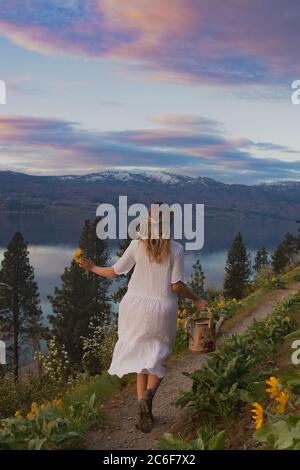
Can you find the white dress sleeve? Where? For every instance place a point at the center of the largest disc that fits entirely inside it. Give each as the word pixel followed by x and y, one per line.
pixel 177 272
pixel 126 262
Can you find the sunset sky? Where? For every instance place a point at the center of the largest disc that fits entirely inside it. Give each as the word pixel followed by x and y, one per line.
pixel 197 87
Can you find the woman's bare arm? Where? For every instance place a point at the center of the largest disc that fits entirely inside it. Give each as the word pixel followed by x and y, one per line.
pixel 100 271
pixel 184 291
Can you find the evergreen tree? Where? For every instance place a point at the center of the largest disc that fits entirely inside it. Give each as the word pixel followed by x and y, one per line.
pixel 284 253
pixel 197 279
pixel 237 270
pixel 20 312
pixel 82 296
pixel 124 279
pixel 280 258
pixel 261 259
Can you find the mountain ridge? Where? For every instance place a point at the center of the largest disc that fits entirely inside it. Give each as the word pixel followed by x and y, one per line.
pixel 21 192
pixel 162 176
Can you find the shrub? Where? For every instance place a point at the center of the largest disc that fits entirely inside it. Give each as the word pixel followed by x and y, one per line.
pixel 98 346
pixel 181 339
pixel 47 426
pixel 263 277
pixel 56 363
pixel 226 307
pixel 276 283
pixel 19 395
pixel 205 441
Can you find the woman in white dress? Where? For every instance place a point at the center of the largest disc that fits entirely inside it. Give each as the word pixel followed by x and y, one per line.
pixel 147 319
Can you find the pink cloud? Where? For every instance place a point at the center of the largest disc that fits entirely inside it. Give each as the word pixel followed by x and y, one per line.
pixel 56 146
pixel 202 41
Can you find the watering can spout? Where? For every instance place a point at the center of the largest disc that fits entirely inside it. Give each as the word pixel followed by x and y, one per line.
pixel 220 323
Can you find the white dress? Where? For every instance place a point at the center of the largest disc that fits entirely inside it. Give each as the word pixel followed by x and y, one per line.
pixel 148 312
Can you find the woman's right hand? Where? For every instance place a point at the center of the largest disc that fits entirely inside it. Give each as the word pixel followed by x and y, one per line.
pixel 201 305
pixel 87 264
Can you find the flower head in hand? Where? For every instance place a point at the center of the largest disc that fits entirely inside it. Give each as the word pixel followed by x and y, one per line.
pixel 78 256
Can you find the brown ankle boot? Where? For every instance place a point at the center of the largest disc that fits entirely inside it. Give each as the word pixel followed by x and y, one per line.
pixel 144 420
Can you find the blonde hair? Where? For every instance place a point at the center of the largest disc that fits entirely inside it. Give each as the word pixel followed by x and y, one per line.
pixel 157 247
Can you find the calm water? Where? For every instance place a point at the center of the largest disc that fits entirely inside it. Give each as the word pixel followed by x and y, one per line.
pixel 53 238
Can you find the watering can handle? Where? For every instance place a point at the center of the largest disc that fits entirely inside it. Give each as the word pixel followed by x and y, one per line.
pixel 186 326
pixel 211 319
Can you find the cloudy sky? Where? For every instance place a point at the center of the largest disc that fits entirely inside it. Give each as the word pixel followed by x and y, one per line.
pixel 200 87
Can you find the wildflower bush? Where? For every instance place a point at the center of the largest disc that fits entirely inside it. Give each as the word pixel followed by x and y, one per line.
pixel 60 421
pixel 47 426
pixel 21 394
pixel 226 380
pixel 98 346
pixel 228 307
pixel 278 424
pixel 276 283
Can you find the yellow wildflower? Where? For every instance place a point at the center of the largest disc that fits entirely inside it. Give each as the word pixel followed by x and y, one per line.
pixel 18 414
pixel 286 318
pixel 258 415
pixel 78 256
pixel 58 403
pixel 30 416
pixel 282 400
pixel 274 385
pixel 34 407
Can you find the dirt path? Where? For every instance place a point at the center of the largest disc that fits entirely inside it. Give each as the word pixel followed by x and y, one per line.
pixel 120 433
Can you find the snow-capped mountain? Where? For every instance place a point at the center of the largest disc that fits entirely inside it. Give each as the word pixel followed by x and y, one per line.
pixel 20 192
pixel 283 185
pixel 131 176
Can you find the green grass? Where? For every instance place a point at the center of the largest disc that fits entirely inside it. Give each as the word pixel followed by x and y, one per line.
pixel 103 386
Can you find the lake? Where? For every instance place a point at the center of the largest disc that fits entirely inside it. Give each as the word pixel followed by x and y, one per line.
pixel 52 239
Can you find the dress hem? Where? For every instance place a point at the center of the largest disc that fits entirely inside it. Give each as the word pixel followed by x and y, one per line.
pixel 135 371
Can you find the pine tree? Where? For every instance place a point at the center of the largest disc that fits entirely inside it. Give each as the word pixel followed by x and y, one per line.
pixel 261 259
pixel 237 270
pixel 82 296
pixel 284 253
pixel 280 258
pixel 123 280
pixel 20 312
pixel 197 279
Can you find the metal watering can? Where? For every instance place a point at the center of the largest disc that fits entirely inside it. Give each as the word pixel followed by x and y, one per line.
pixel 202 332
